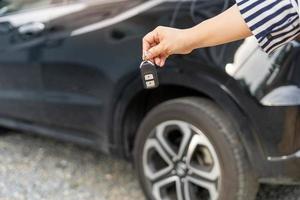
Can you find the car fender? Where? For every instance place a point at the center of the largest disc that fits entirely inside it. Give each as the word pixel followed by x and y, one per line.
pixel 212 83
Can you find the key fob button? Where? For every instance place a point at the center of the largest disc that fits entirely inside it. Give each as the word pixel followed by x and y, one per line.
pixel 150 84
pixel 149 77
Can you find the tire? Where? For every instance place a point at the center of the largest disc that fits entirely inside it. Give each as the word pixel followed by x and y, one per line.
pixel 188 149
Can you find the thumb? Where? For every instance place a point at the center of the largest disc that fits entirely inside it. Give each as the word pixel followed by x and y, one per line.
pixel 155 51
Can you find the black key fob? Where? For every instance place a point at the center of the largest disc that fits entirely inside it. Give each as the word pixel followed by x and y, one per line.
pixel 149 75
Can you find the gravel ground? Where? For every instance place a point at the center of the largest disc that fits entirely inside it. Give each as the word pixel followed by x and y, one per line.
pixel 37 168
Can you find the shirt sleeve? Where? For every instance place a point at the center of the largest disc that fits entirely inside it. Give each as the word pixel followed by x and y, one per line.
pixel 272 22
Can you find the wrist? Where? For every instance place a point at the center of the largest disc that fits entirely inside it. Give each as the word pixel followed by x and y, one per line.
pixel 192 39
pixel 189 39
pixel 197 36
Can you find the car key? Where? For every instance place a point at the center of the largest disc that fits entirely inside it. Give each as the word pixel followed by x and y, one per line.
pixel 149 75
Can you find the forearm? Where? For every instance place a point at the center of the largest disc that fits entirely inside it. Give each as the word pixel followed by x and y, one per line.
pixel 226 27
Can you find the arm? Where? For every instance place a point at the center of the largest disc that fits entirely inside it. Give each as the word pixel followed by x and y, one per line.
pixel 211 32
pixel 227 27
pixel 272 22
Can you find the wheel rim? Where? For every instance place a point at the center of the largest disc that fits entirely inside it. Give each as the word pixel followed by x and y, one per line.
pixel 180 163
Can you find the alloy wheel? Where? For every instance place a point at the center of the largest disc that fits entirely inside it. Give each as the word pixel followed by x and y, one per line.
pixel 180 163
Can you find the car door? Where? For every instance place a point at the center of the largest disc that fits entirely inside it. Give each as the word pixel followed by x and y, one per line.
pixel 23 32
pixel 80 66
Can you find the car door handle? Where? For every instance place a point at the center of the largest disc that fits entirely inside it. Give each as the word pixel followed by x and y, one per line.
pixel 31 28
pixel 5 27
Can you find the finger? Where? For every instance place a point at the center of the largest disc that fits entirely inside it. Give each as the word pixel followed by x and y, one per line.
pixel 146 53
pixel 163 60
pixel 155 51
pixel 148 41
pixel 157 61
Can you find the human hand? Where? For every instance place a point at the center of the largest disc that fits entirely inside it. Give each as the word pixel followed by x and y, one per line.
pixel 162 42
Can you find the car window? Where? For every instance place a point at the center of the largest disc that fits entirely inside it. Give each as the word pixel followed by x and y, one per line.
pixel 10 6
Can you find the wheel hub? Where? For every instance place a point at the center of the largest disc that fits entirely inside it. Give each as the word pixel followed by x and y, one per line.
pixel 181 169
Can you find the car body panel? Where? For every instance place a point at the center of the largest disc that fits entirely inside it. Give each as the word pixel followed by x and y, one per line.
pixel 273 80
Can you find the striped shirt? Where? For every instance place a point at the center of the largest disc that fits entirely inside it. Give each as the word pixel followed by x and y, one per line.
pixel 272 22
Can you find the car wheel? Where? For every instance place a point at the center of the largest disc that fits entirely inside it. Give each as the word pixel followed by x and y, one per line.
pixel 188 149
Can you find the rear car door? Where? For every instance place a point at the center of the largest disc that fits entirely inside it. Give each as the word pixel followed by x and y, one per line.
pixel 80 64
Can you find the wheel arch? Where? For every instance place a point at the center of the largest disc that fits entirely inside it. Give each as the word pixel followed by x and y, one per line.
pixel 135 102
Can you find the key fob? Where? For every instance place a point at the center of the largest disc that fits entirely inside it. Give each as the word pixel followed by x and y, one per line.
pixel 149 75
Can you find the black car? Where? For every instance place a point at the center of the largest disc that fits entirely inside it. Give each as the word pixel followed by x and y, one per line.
pixel 222 120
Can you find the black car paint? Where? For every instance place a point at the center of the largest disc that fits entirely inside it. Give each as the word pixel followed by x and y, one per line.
pixel 78 87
